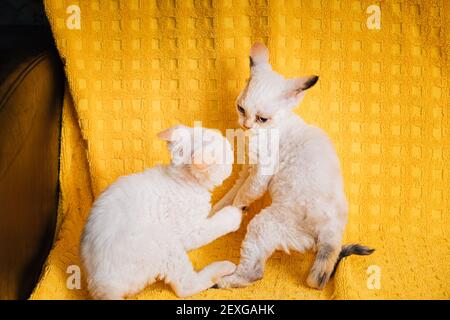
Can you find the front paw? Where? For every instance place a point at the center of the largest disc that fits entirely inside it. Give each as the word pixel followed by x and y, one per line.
pixel 226 268
pixel 231 281
pixel 239 203
pixel 232 218
pixel 221 269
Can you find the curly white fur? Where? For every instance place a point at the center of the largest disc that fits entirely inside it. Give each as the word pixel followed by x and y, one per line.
pixel 141 227
pixel 309 207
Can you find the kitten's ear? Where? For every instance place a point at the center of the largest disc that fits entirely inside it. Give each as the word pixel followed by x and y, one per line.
pixel 259 54
pixel 179 143
pixel 174 133
pixel 297 86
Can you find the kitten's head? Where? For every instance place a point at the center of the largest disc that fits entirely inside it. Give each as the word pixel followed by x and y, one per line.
pixel 268 97
pixel 205 153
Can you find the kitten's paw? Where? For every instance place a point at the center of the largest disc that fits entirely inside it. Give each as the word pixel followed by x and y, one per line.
pixel 238 203
pixel 222 268
pixel 241 202
pixel 226 268
pixel 216 208
pixel 317 280
pixel 220 205
pixel 234 217
pixel 232 281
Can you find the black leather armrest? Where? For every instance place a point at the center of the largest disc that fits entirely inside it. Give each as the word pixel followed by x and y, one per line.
pixel 31 92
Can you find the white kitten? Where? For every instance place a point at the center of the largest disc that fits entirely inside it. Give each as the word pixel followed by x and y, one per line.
pixel 141 227
pixel 309 207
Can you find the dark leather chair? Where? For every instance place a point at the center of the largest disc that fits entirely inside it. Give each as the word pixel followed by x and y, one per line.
pixel 31 93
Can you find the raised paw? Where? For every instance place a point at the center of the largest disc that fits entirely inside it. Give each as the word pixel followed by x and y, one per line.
pixel 232 218
pixel 240 203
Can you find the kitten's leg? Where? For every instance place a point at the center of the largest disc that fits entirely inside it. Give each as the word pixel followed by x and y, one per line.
pixel 225 221
pixel 183 279
pixel 231 194
pixel 253 188
pixel 328 249
pixel 261 240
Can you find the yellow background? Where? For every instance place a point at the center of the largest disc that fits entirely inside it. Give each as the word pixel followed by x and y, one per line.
pixel 136 67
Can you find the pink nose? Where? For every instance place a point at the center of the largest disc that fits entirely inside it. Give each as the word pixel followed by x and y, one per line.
pixel 247 124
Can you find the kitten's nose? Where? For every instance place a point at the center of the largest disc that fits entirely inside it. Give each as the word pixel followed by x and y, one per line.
pixel 247 124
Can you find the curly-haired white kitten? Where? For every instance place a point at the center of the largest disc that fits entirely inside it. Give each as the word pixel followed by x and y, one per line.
pixel 309 207
pixel 141 227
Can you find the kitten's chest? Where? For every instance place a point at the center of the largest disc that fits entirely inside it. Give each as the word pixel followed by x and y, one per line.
pixel 289 151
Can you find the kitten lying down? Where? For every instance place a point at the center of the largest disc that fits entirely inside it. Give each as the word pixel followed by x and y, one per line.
pixel 141 227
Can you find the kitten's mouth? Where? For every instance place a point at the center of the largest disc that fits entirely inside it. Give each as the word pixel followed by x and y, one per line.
pixel 249 131
pixel 245 128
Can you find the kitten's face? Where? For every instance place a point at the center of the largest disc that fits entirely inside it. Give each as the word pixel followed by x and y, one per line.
pixel 204 152
pixel 214 160
pixel 268 97
pixel 259 104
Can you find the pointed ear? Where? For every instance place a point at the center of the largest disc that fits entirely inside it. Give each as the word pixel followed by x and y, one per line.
pixel 173 133
pixel 298 85
pixel 259 54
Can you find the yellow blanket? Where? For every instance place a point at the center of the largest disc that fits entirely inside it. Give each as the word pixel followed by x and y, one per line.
pixel 135 67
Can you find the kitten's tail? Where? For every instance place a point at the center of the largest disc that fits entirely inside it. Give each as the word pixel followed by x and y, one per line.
pixel 349 249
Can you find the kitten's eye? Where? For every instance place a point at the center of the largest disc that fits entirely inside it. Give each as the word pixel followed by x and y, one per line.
pixel 240 109
pixel 261 119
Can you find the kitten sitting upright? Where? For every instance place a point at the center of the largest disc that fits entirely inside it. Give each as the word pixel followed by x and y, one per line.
pixel 309 207
pixel 141 227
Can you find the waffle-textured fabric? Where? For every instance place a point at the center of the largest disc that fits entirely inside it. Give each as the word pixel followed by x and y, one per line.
pixel 136 67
